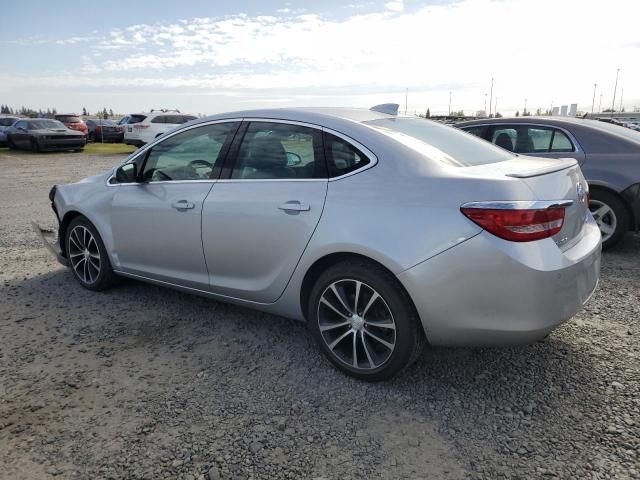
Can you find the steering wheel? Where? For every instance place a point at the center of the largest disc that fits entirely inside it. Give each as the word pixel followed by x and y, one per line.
pixel 200 163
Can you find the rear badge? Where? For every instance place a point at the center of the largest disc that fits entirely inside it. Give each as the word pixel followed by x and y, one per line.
pixel 581 194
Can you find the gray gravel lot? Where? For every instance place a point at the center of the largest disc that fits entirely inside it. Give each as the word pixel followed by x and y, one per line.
pixel 141 382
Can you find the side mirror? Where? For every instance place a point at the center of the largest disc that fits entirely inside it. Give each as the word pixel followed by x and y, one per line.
pixel 127 173
pixel 293 159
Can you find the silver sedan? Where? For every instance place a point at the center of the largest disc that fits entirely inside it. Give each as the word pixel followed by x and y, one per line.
pixel 384 233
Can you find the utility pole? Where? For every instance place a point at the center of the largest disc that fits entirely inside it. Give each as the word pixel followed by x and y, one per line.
pixel 406 100
pixel 490 96
pixel 613 102
pixel 524 110
pixel 551 109
pixel 495 110
pixel 600 104
pixel 449 102
pixel 595 85
pixel 485 103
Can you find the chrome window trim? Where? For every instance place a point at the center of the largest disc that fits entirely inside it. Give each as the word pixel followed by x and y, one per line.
pixel 519 204
pixel 572 138
pixel 373 159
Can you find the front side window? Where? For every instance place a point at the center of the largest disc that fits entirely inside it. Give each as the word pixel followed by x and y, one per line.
pixel 21 124
pixel 279 151
pixel 531 140
pixel 190 155
pixel 342 157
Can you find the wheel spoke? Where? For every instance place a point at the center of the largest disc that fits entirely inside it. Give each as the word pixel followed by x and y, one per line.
pixel 606 228
pixel 94 265
pixel 372 300
pixel 602 211
pixel 337 294
pixel 389 325
pixel 357 296
pixel 326 302
pixel 355 350
pixel 333 344
pixel 366 350
pixel 379 340
pixel 324 328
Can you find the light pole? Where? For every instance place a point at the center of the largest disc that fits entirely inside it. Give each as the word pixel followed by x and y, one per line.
pixel 449 102
pixel 524 110
pixel 495 110
pixel 600 104
pixel 485 103
pixel 595 85
pixel 490 96
pixel 613 102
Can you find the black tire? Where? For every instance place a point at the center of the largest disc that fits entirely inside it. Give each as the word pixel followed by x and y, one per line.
pixel 103 277
pixel 92 137
pixel 10 144
pixel 35 146
pixel 78 150
pixel 408 334
pixel 618 209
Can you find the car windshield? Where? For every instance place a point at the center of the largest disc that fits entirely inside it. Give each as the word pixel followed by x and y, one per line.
pixel 38 124
pixel 616 130
pixel 69 118
pixel 440 142
pixel 7 121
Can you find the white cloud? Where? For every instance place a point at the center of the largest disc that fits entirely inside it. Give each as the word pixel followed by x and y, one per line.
pixel 430 50
pixel 395 6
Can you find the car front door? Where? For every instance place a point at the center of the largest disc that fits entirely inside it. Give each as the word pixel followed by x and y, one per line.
pixel 261 214
pixel 20 134
pixel 156 221
pixel 537 140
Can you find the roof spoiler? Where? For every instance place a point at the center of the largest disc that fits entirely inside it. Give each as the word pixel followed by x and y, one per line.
pixel 388 108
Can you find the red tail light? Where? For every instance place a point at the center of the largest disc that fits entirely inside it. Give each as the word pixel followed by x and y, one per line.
pixel 98 129
pixel 518 225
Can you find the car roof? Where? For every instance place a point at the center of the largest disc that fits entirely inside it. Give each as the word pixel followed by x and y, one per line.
pixel 330 117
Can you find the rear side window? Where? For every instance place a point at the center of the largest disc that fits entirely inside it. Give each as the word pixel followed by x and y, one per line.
pixel 478 131
pixel 561 142
pixel 159 119
pixel 531 139
pixel 6 121
pixel 342 157
pixel 136 118
pixel 279 151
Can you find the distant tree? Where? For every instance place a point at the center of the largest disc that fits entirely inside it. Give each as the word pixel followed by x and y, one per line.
pixel 526 113
pixel 428 113
pixel 53 111
pixel 538 112
pixel 105 114
pixel 84 111
pixel 517 113
pixel 110 113
pixel 498 115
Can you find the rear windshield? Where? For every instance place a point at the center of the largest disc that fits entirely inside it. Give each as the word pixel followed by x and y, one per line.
pixel 68 118
pixel 440 142
pixel 38 124
pixel 7 121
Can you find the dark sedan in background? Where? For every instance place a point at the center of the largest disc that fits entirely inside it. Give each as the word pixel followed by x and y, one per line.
pixel 609 156
pixel 42 134
pixel 104 131
pixel 5 123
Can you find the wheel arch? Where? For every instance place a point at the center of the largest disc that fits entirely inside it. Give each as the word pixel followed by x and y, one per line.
pixel 327 261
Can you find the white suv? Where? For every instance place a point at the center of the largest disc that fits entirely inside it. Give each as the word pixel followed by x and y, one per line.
pixel 142 128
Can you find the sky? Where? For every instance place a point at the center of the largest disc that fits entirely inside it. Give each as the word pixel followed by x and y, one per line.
pixel 206 57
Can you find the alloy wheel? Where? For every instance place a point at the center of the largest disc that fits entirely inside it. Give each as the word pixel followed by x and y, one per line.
pixel 605 217
pixel 84 254
pixel 356 324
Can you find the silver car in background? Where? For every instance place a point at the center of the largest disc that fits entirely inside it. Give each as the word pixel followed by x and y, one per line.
pixel 382 232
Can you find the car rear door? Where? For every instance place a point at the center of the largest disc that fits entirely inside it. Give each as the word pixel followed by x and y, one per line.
pixel 156 222
pixel 260 216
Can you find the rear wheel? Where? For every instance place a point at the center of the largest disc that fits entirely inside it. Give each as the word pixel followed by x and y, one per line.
pixel 363 321
pixel 611 216
pixel 87 255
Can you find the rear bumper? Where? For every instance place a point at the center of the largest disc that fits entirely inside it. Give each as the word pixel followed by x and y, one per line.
pixel 487 291
pixel 52 247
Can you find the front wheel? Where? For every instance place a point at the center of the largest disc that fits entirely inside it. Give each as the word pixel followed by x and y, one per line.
pixel 87 255
pixel 611 216
pixel 364 321
pixel 35 147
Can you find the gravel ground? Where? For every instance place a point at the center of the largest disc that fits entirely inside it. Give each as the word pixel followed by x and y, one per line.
pixel 141 382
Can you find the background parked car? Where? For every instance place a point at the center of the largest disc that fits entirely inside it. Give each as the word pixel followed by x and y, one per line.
pixel 72 121
pixel 104 130
pixel 609 156
pixel 5 123
pixel 149 126
pixel 40 134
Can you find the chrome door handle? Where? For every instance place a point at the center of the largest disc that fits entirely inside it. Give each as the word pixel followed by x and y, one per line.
pixel 183 205
pixel 294 206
